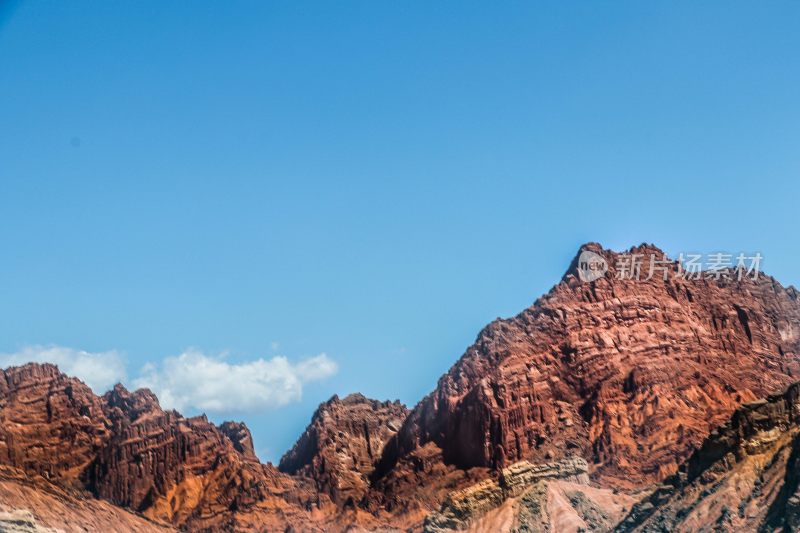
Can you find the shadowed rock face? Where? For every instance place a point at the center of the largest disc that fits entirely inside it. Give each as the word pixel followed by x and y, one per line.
pixel 341 446
pixel 630 374
pixel 240 436
pixel 27 503
pixel 744 477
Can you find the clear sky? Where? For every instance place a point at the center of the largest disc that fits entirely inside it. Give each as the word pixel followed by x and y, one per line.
pixel 373 181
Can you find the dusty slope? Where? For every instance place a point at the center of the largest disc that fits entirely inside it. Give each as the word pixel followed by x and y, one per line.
pixel 52 507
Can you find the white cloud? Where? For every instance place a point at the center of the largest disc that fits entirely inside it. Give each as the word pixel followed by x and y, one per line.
pixel 195 381
pixel 99 370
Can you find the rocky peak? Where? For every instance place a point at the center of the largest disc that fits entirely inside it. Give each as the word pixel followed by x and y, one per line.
pixel 617 380
pixel 123 448
pixel 51 425
pixel 132 404
pixel 341 445
pixel 240 436
pixel 610 259
pixel 629 374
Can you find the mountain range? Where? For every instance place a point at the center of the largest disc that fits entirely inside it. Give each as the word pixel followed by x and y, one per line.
pixel 660 404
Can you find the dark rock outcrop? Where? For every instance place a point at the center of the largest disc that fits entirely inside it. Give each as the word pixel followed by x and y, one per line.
pixel 744 477
pixel 240 436
pixel 341 446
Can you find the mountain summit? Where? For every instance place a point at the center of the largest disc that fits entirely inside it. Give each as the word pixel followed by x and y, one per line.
pixel 561 417
pixel 630 374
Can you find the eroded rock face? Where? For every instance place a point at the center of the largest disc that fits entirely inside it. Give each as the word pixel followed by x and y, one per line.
pixel 341 446
pixel 240 436
pixel 50 425
pixel 169 467
pixel 516 478
pixel 615 380
pixel 745 476
pixel 31 503
pixel 125 449
pixel 468 505
pixel 630 374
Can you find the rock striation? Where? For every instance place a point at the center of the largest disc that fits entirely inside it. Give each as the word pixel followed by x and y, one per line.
pixel 465 506
pixel 630 374
pixel 125 449
pixel 744 477
pixel 553 420
pixel 22 521
pixel 34 504
pixel 341 446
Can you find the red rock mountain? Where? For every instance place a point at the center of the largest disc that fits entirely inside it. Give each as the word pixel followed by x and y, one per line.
pixel 341 446
pixel 630 374
pixel 555 419
pixel 123 448
pixel 744 477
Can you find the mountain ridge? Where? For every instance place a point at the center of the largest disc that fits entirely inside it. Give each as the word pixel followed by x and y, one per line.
pixel 627 377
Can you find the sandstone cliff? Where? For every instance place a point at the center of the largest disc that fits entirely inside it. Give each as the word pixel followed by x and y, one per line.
pixel 553 420
pixel 125 449
pixel 745 476
pixel 629 374
pixel 341 446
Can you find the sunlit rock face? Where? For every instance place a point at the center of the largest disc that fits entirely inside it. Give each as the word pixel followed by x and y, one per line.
pixel 558 418
pixel 123 448
pixel 629 374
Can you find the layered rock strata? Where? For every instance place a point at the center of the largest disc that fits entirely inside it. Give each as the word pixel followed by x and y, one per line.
pixel 744 477
pixel 631 374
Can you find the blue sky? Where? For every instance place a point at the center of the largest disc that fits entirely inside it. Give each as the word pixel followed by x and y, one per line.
pixel 372 181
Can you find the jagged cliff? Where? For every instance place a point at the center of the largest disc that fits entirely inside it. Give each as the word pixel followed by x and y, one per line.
pixel 341 446
pixel 629 374
pixel 125 449
pixel 744 477
pixel 557 419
